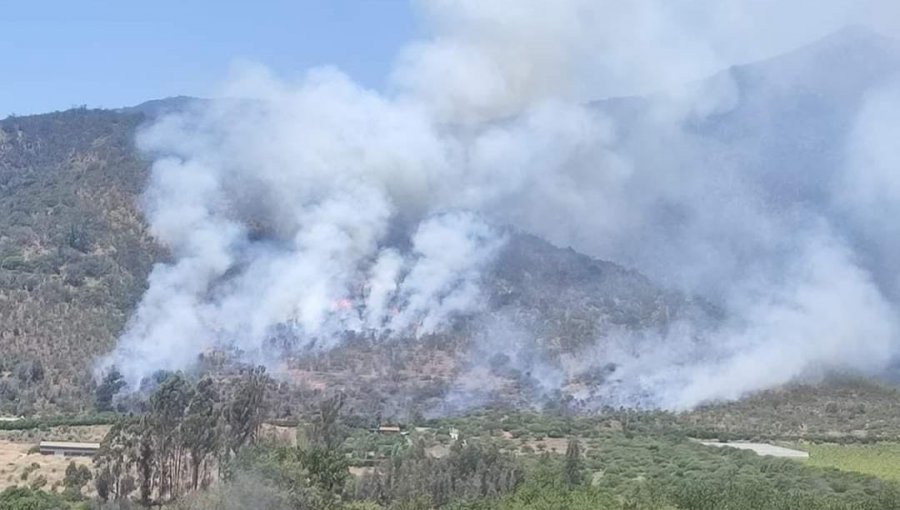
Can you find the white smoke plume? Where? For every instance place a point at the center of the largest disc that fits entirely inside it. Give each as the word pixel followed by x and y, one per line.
pixel 324 207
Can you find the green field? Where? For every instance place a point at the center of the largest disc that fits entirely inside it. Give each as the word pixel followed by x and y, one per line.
pixel 878 459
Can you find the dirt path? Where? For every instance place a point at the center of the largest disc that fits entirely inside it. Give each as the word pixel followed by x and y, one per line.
pixel 761 449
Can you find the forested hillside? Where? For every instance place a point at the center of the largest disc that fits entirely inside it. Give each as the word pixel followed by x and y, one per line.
pixel 74 253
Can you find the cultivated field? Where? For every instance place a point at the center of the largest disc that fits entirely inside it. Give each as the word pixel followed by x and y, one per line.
pixel 878 459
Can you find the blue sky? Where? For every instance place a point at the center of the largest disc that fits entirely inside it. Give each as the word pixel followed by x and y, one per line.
pixel 109 53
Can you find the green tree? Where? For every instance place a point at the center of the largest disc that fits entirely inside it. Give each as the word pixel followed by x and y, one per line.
pixel 75 480
pixel 146 464
pixel 326 465
pixel 107 389
pixel 200 429
pixel 103 482
pixel 572 467
pixel 328 469
pixel 114 462
pixel 327 431
pixel 23 498
pixel 168 405
pixel 245 411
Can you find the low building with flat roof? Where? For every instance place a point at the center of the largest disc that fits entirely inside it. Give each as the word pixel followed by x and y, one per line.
pixel 66 449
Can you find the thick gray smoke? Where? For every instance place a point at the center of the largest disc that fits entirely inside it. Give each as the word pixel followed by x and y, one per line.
pixel 323 207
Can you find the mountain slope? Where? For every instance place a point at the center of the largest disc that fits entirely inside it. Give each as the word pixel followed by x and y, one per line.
pixel 74 253
pixel 784 120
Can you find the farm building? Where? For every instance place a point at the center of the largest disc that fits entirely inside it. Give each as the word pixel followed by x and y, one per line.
pixel 65 449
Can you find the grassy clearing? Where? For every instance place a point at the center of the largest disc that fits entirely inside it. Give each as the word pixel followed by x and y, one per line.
pixel 19 465
pixel 877 459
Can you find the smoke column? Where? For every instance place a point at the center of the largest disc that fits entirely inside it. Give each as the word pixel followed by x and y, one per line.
pixel 323 207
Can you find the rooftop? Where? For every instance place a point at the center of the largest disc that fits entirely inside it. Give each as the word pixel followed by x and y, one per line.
pixel 64 444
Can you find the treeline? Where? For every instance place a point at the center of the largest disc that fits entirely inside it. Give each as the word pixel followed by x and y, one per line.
pixel 202 445
pixel 180 443
pixel 195 447
pixel 479 476
pixel 313 475
pixel 48 422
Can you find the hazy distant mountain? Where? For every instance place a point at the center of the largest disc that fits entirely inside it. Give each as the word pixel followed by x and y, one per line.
pixel 785 119
pixel 795 110
pixel 774 134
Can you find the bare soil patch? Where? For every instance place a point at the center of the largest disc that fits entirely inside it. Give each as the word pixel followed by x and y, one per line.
pixel 761 449
pixel 550 444
pixel 15 461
